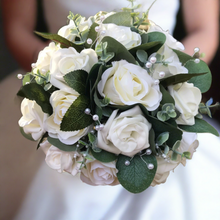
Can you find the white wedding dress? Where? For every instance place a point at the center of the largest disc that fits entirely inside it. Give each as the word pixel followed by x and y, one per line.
pixel 192 192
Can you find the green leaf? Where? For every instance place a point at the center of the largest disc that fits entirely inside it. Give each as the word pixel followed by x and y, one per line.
pixel 186 154
pixel 200 126
pixel 106 111
pixel 28 78
pixel 202 82
pixel 27 136
pixel 77 80
pixel 176 145
pixel 136 177
pixel 174 156
pixel 152 141
pixel 64 147
pixel 183 57
pixel 121 53
pixel 162 138
pixel 64 43
pixel 104 156
pixel 155 42
pixel 166 98
pixel 36 92
pixel 42 139
pixel 75 118
pixel 179 78
pixel 120 19
pixel 142 56
pixel 92 35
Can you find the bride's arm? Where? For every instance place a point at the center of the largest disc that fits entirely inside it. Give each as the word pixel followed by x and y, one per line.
pixel 201 19
pixel 19 17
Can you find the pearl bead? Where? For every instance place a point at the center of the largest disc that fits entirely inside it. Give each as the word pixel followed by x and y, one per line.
pixel 97 127
pixel 196 50
pixel 197 60
pixel 87 111
pixel 84 155
pixel 77 145
pixel 161 74
pixel 153 59
pixel 103 32
pixel 102 17
pixel 92 132
pixel 43 71
pixel 156 82
pixel 27 83
pixel 33 65
pixel 89 41
pixel 95 117
pixel 75 155
pixel 97 28
pixel 164 156
pixel 19 76
pixel 150 166
pixel 101 126
pixel 148 151
pixel 148 64
pixel 127 163
pixel 87 146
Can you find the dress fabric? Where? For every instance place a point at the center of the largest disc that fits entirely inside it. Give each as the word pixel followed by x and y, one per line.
pixel 190 193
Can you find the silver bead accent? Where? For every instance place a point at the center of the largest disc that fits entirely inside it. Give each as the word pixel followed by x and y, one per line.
pixel 153 59
pixel 148 65
pixel 197 60
pixel 148 151
pixel 196 50
pixel 127 163
pixel 150 166
pixel 157 82
pixel 97 28
pixel 87 111
pixel 20 76
pixel 89 41
pixel 161 74
pixel 95 117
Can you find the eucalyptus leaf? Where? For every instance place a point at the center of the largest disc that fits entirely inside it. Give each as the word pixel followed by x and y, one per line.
pixel 136 177
pixel 64 43
pixel 75 118
pixel 37 93
pixel 176 145
pixel 104 156
pixel 200 126
pixel 27 136
pixel 64 147
pixel 120 19
pixel 174 156
pixel 77 80
pixel 187 155
pixel 162 138
pixel 183 57
pixel 106 111
pixel 142 56
pixel 92 35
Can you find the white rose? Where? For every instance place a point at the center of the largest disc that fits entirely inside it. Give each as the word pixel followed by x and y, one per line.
pixel 61 101
pixel 97 173
pixel 125 134
pixel 187 99
pixel 122 34
pixel 44 58
pixel 170 40
pixel 61 160
pixel 67 60
pixel 66 31
pixel 127 84
pixel 188 143
pixel 173 65
pixel 33 119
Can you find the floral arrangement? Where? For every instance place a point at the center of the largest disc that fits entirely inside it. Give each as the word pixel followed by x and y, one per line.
pixel 114 99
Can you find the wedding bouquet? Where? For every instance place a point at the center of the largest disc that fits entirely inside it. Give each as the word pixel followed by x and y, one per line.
pixel 115 100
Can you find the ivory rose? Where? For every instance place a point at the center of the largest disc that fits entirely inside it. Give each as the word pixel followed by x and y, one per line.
pixel 97 173
pixel 122 34
pixel 188 143
pixel 67 60
pixel 187 99
pixel 125 134
pixel 61 101
pixel 66 31
pixel 61 160
pixel 127 84
pixel 33 119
